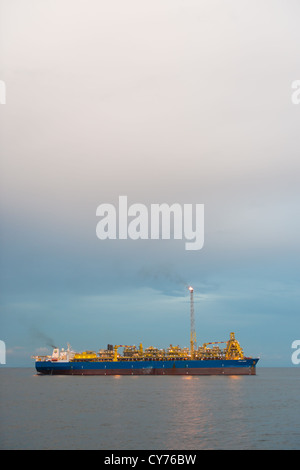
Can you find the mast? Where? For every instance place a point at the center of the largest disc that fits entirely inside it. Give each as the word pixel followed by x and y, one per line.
pixel 193 332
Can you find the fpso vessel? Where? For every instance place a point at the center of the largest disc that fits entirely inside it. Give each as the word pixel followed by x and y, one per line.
pixel 208 359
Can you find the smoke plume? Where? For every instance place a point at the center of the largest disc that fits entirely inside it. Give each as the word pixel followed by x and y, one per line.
pixel 41 336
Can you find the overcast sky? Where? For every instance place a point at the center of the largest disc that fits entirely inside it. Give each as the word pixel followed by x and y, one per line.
pixel 163 101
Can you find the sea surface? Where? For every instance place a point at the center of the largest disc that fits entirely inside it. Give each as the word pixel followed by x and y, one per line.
pixel 150 412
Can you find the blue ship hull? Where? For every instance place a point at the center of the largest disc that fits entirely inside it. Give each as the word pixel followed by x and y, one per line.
pixel 245 366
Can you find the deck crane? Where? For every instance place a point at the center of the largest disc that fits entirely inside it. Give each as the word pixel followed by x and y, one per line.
pixel 116 350
pixel 233 349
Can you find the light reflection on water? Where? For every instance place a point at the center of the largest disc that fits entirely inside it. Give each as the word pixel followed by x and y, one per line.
pixel 206 408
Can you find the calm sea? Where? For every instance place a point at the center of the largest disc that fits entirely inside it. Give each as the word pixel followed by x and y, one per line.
pixel 152 412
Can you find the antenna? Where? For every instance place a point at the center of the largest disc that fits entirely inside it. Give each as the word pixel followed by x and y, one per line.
pixel 193 332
